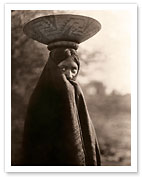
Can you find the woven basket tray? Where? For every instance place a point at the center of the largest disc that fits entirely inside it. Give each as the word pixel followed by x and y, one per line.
pixel 64 27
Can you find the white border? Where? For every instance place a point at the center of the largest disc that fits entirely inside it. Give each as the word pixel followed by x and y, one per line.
pixel 76 6
pixel 8 167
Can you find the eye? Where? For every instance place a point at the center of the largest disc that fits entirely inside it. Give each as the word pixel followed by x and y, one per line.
pixel 74 70
pixel 63 69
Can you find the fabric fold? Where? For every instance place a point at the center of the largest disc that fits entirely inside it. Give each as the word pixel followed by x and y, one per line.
pixel 58 130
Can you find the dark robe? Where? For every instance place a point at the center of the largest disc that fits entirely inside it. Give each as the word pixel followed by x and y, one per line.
pixel 58 130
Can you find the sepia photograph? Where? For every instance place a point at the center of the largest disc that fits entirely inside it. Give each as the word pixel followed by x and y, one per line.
pixel 72 86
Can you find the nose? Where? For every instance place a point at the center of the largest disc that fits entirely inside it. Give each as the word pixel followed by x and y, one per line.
pixel 68 74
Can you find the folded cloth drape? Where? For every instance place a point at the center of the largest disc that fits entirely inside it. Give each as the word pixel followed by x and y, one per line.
pixel 58 130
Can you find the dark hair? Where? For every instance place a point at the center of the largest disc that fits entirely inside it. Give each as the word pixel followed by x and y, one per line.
pixel 60 54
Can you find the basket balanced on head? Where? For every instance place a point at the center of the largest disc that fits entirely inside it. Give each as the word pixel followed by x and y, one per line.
pixel 62 29
pixel 58 129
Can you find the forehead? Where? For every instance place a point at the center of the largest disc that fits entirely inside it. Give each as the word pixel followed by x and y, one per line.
pixel 69 63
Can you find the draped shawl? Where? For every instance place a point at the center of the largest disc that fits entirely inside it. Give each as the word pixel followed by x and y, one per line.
pixel 58 130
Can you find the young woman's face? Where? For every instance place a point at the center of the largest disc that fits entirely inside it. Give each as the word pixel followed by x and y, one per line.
pixel 69 68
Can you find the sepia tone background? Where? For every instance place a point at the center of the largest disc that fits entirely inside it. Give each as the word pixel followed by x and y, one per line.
pixel 104 78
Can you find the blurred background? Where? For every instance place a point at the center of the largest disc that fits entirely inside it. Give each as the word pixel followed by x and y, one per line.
pixel 104 78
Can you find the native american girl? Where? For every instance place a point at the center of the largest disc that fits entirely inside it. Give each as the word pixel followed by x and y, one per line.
pixel 58 129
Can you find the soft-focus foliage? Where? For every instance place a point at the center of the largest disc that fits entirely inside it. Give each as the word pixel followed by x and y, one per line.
pixel 110 113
